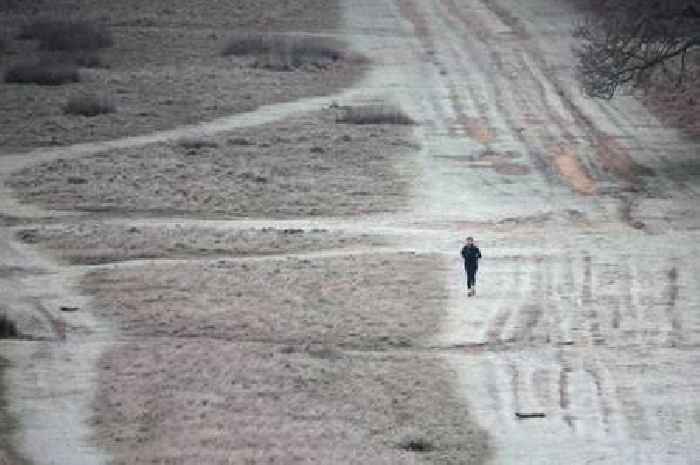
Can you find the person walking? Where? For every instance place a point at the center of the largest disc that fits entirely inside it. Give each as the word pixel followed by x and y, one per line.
pixel 471 255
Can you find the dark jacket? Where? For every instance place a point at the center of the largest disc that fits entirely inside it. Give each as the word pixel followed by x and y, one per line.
pixel 471 256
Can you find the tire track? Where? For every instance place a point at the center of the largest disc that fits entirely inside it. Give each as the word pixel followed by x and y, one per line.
pixel 633 412
pixel 594 371
pixel 495 333
pixel 458 108
pixel 587 301
pixel 675 335
pixel 563 390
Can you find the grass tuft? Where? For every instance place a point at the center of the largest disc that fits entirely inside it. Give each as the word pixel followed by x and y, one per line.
pixel 89 105
pixel 67 35
pixel 416 445
pixel 285 52
pixel 44 74
pixel 8 328
pixel 247 43
pixel 87 59
pixel 373 114
pixel 195 142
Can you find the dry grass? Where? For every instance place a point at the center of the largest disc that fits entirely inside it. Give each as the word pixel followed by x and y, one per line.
pixel 7 6
pixel 45 74
pixel 165 67
pixel 677 106
pixel 196 400
pixel 354 302
pixel 196 142
pixel 305 166
pixel 247 43
pixel 87 59
pixel 8 424
pixel 374 114
pixel 67 34
pixel 285 52
pixel 90 105
pixel 8 328
pixel 91 243
pixel 249 363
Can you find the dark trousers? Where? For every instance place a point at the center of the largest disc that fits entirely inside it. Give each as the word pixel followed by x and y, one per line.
pixel 471 276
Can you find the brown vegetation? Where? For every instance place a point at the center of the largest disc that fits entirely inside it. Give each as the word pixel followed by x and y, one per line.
pixel 90 105
pixel 285 52
pixel 42 73
pixel 8 328
pixel 304 166
pixel 297 361
pixel 164 67
pixel 373 114
pixel 630 42
pixel 620 49
pixel 66 34
pixel 91 243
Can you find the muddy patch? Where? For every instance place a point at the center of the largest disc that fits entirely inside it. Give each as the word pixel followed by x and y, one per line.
pixel 571 170
pixel 503 162
pixel 478 129
pixel 616 158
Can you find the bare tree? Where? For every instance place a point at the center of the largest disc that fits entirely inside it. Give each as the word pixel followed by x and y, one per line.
pixel 625 42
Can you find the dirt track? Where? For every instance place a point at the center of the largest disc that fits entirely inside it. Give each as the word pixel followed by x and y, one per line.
pixel 587 215
pixel 586 307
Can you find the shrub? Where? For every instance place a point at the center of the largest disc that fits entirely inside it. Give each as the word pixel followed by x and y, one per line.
pixel 87 60
pixel 284 52
pixel 67 35
pixel 45 74
pixel 8 328
pixel 89 105
pixel 247 43
pixel 196 142
pixel 19 5
pixel 373 114
pixel 416 445
pixel 315 49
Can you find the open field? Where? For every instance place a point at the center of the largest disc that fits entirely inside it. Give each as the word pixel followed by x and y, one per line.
pixel 270 403
pixel 580 347
pixel 292 360
pixel 92 243
pixel 309 165
pixel 164 69
pixel 354 302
